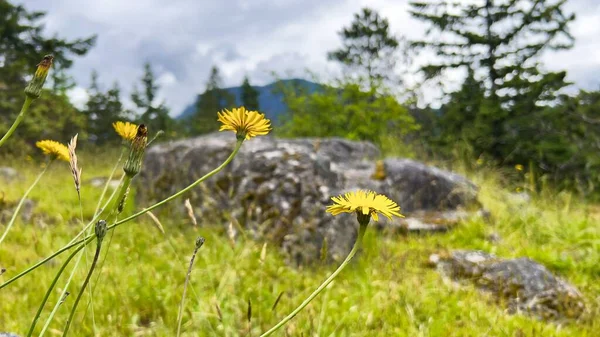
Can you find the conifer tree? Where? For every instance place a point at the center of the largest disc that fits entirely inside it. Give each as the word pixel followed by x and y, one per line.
pixel 103 109
pixel 502 42
pixel 210 102
pixel 154 115
pixel 249 96
pixel 369 48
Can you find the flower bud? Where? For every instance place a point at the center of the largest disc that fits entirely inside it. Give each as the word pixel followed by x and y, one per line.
pixel 199 242
pixel 133 165
pixel 34 88
pixel 100 230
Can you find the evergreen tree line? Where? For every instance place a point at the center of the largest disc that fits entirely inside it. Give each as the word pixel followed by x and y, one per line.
pixel 509 110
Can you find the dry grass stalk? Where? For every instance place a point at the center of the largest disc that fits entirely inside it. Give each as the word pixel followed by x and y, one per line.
pixel 75 170
pixel 190 212
pixel 156 222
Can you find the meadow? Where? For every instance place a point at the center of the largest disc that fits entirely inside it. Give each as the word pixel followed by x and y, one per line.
pixel 241 287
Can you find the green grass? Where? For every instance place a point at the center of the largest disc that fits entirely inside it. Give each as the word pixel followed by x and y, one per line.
pixel 387 291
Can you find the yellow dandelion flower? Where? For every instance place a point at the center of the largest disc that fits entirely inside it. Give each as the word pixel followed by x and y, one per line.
pixel 126 130
pixel 54 148
pixel 246 124
pixel 519 167
pixel 366 203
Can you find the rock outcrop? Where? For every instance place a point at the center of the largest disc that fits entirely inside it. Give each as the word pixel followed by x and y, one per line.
pixel 523 284
pixel 279 188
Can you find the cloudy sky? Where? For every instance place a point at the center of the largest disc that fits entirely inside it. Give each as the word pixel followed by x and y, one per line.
pixel 182 39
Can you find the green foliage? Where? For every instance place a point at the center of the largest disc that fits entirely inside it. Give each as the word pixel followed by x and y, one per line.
pixel 155 117
pixel 249 96
pixel 52 117
pixel 22 45
pixel 103 109
pixel 369 48
pixel 505 99
pixel 345 111
pixel 213 100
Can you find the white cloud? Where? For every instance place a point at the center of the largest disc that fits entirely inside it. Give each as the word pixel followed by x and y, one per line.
pixel 78 96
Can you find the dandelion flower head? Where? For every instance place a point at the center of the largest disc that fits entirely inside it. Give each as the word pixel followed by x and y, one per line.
pixel 365 203
pixel 54 148
pixel 246 124
pixel 126 130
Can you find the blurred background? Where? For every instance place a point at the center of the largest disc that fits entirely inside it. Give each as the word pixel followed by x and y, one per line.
pixel 508 82
pixel 480 118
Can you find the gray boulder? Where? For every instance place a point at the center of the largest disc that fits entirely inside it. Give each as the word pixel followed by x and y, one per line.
pixel 523 284
pixel 278 189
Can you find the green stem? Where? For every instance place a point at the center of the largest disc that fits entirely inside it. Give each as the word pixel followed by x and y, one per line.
pixel 70 245
pixel 118 223
pixel 60 271
pixel 108 181
pixel 357 244
pixel 20 117
pixel 63 298
pixel 85 283
pixel 62 295
pixel 22 201
pixel 109 214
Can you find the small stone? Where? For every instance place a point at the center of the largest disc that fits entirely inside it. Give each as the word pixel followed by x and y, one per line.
pixel 99 182
pixel 494 238
pixel 525 285
pixel 27 210
pixel 8 173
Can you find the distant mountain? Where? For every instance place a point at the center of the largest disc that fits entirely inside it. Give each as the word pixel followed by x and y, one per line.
pixel 271 103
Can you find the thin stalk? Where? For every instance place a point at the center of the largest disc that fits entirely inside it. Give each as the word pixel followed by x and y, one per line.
pixel 112 197
pixel 108 181
pixel 70 245
pixel 199 243
pixel 85 283
pixel 22 201
pixel 63 298
pixel 60 271
pixel 120 222
pixel 64 292
pixel 17 121
pixel 357 244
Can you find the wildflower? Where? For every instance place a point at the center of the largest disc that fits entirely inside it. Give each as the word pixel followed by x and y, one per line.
pixel 133 164
pixel 519 167
pixel 54 148
pixel 246 124
pixel 34 88
pixel 366 204
pixel 126 130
